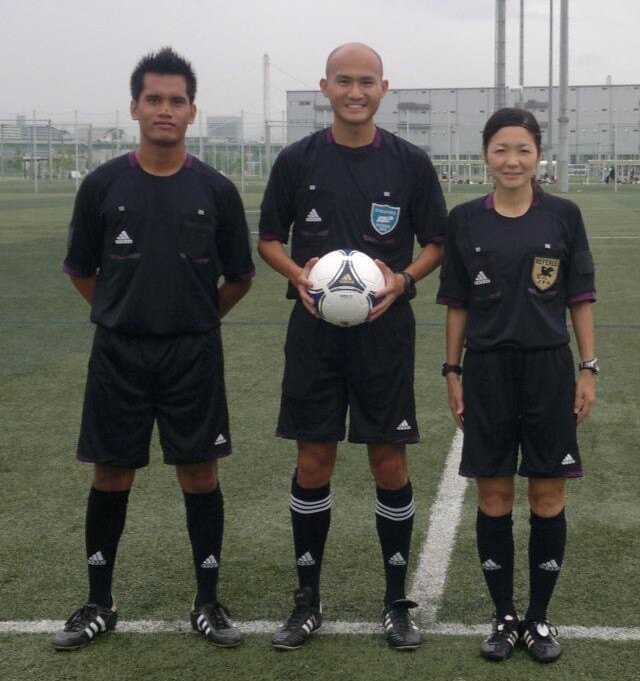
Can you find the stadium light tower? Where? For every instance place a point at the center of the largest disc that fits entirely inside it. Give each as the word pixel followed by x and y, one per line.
pixel 501 86
pixel 549 149
pixel 563 119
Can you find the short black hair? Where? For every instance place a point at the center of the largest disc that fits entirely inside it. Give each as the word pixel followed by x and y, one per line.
pixel 163 62
pixel 507 117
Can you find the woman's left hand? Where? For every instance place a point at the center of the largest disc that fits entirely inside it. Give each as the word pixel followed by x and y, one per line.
pixel 585 395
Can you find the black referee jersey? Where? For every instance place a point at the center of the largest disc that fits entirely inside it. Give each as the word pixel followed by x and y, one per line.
pixel 517 275
pixel 158 245
pixel 377 199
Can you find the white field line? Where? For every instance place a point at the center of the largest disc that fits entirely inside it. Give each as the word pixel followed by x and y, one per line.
pixel 331 628
pixel 431 573
pixel 614 237
pixel 428 585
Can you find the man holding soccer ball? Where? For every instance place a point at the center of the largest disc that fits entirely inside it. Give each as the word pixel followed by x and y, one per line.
pixel 351 186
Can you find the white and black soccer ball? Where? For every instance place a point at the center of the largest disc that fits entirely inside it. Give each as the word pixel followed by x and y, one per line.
pixel 344 284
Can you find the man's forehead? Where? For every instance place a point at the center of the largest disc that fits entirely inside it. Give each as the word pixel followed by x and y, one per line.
pixel 164 82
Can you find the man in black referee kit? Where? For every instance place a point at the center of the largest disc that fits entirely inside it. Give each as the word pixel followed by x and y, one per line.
pixel 354 186
pixel 152 233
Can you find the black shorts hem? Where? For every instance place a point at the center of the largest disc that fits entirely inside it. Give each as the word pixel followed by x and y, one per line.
pixel 385 441
pixel 113 463
pixel 306 437
pixel 179 460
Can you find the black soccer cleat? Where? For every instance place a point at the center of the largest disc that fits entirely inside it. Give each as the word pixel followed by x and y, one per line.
pixel 303 621
pixel 539 637
pixel 213 622
pixel 85 624
pixel 504 636
pixel 400 629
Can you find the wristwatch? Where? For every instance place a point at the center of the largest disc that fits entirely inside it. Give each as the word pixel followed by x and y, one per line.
pixel 592 365
pixel 451 369
pixel 409 283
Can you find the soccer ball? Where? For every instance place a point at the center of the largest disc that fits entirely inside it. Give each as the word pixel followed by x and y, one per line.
pixel 344 284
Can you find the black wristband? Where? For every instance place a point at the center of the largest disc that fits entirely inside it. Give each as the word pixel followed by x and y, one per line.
pixel 451 369
pixel 409 283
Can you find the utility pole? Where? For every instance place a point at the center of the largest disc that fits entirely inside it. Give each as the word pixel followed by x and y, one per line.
pixel 549 148
pixel 266 108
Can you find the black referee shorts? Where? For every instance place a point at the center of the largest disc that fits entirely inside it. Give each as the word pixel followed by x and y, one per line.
pixel 134 381
pixel 366 370
pixel 520 400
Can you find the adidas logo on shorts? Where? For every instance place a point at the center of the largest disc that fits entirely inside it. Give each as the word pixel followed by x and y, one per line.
pixel 220 440
pixel 313 216
pixel 124 238
pixel 403 425
pixel 568 460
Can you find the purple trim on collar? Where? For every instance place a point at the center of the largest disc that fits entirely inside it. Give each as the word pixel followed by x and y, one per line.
pixel 134 163
pixel 587 297
pixel 490 204
pixel 375 143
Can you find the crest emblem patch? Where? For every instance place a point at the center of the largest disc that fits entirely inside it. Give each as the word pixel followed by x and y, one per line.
pixel 544 272
pixel 384 218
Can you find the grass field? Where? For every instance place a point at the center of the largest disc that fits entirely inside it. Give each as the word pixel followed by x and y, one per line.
pixel 44 340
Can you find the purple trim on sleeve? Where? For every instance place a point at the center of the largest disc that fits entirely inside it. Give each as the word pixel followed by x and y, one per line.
pixel 451 302
pixel 269 237
pixel 75 273
pixel 438 239
pixel 133 159
pixel 245 276
pixel 587 297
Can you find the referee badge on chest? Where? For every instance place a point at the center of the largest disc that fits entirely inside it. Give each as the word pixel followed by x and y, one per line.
pixel 544 272
pixel 384 218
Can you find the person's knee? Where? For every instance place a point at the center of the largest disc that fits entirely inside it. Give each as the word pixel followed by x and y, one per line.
pixel 112 479
pixel 546 503
pixel 198 478
pixel 389 468
pixel 496 500
pixel 315 465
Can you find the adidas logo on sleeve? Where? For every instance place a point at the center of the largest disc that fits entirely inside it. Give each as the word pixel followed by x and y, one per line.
pixel 123 238
pixel 313 216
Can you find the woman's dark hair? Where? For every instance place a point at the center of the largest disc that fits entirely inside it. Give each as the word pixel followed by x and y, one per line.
pixel 507 117
pixel 166 63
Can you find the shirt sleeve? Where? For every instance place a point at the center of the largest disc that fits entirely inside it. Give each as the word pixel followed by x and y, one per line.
pixel 581 269
pixel 454 280
pixel 86 233
pixel 277 211
pixel 234 247
pixel 428 207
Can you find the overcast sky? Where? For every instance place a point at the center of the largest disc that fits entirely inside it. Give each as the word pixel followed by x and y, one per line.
pixel 57 56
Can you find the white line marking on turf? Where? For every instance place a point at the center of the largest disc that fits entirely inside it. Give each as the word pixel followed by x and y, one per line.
pixel 614 237
pixel 431 573
pixel 331 628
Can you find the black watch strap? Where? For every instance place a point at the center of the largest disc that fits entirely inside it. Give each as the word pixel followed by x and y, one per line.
pixel 451 369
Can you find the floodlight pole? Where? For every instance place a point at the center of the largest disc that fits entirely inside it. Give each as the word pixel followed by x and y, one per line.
pixel 500 98
pixel 563 118
pixel 34 154
pixel 549 148
pixel 521 70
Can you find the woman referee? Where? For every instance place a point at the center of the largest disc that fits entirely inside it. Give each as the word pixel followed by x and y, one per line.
pixel 514 261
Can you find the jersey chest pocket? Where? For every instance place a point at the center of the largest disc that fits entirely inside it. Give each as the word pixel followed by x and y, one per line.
pixel 486 288
pixel 122 234
pixel 314 213
pixel 545 276
pixel 196 235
